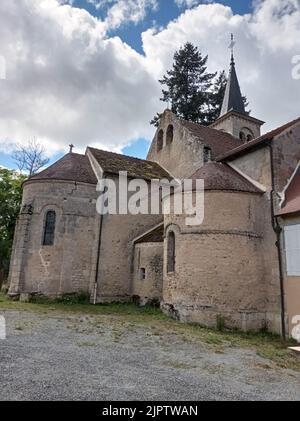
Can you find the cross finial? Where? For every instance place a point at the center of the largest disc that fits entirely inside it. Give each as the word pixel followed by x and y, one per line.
pixel 231 46
pixel 71 148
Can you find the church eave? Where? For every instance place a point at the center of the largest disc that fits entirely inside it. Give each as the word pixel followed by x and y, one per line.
pixel 237 114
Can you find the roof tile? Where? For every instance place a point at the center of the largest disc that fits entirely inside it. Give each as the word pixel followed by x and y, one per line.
pixel 112 163
pixel 72 167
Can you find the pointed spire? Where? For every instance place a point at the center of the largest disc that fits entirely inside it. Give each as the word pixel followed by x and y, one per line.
pixel 233 100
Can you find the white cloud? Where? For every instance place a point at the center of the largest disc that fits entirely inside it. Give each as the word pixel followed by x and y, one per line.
pixel 191 3
pixel 266 42
pixel 68 81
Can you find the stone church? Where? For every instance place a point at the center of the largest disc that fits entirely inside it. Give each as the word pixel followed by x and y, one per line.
pixel 241 267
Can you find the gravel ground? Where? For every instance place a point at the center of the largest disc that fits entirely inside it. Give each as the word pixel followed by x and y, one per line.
pixel 72 357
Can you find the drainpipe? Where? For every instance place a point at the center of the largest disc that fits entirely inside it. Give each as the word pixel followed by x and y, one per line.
pixel 98 256
pixel 278 231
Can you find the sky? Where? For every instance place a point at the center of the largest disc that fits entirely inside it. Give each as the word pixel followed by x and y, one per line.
pixel 86 71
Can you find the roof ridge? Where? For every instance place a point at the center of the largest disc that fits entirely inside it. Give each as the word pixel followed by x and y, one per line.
pixel 208 127
pixel 122 155
pixel 224 177
pixel 70 167
pixel 269 136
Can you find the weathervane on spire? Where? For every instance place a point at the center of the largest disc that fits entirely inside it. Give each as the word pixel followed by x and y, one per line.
pixel 231 46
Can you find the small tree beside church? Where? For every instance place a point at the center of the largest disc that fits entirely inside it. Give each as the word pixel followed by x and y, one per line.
pixel 10 201
pixel 30 158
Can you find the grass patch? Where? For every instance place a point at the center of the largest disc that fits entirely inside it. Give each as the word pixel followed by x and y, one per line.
pixel 266 345
pixel 80 305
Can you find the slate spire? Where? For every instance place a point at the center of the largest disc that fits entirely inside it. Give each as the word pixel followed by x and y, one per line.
pixel 233 100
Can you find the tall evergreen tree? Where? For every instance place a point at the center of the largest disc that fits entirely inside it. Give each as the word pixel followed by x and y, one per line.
pixel 216 97
pixel 194 94
pixel 188 85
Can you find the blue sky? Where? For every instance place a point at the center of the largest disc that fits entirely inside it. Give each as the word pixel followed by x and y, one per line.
pixel 166 12
pixel 131 34
pixel 72 75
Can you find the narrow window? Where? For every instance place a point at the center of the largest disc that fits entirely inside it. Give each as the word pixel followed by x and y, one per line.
pixel 49 229
pixel 143 274
pixel 171 252
pixel 170 134
pixel 160 140
pixel 242 137
pixel 206 154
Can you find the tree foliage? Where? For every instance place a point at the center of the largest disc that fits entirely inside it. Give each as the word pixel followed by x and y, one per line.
pixel 191 91
pixel 10 201
pixel 188 84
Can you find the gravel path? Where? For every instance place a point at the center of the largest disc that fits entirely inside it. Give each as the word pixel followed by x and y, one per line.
pixel 68 357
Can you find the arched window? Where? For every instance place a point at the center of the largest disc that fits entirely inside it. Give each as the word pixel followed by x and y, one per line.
pixel 242 137
pixel 170 134
pixel 171 252
pixel 206 154
pixel 49 229
pixel 160 140
pixel 249 137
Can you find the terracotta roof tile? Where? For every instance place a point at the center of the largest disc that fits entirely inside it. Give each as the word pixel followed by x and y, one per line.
pixel 72 167
pixel 219 142
pixel 112 163
pixel 260 141
pixel 218 176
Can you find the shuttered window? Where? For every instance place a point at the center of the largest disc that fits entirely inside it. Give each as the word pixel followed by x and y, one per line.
pixel 292 249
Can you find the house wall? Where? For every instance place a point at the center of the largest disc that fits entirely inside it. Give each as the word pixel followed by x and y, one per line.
pixel 150 257
pixel 257 166
pixel 220 268
pixel 291 283
pixel 184 155
pixel 66 266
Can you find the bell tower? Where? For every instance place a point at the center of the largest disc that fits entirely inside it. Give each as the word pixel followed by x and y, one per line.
pixel 233 118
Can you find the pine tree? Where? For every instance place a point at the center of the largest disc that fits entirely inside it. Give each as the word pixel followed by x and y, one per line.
pixel 188 86
pixel 216 97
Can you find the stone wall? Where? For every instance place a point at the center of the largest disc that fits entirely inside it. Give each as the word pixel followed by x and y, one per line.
pixel 233 123
pixel 117 252
pixel 219 271
pixel 286 149
pixel 184 155
pixel 66 266
pixel 256 165
pixel 148 272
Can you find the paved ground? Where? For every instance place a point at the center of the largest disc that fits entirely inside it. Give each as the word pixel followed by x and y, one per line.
pixel 73 357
